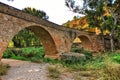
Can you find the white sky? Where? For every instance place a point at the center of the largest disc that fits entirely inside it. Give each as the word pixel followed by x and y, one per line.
pixel 55 9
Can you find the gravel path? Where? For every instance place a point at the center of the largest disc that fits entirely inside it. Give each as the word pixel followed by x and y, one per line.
pixel 24 70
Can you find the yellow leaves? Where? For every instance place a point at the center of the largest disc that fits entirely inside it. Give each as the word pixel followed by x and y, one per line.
pixel 11 44
pixel 77 40
pixel 106 13
pixel 83 24
pixel 106 32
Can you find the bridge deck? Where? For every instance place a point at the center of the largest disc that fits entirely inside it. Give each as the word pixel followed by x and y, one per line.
pixel 9 10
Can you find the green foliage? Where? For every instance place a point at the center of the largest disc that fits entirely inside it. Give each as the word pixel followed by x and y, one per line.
pixel 76 50
pixel 26 38
pixel 95 12
pixel 30 53
pixel 95 64
pixel 116 58
pixel 35 12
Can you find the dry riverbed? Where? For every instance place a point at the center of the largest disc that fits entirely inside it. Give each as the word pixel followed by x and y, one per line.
pixel 25 70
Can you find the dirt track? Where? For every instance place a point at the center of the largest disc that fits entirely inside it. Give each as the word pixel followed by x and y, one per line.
pixel 24 70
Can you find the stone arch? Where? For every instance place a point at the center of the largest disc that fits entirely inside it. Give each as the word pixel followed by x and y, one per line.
pixel 46 40
pixel 83 42
pixel 45 36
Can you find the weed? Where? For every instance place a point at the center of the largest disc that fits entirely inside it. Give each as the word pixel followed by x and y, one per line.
pixel 53 71
pixel 3 68
pixel 111 72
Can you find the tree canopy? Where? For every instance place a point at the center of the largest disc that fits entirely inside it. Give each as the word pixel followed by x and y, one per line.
pixel 104 14
pixel 35 12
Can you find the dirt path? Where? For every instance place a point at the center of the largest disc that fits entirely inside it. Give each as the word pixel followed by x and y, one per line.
pixel 24 70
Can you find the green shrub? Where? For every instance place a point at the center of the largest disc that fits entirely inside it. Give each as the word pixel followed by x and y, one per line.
pixel 116 58
pixel 22 53
pixel 77 50
pixel 8 53
pixel 88 54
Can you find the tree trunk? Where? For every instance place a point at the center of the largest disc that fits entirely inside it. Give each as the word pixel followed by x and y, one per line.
pixel 104 44
pixel 112 42
pixel 113 30
pixel 103 40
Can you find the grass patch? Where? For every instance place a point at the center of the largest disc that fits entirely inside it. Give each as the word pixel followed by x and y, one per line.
pixel 116 57
pixel 3 68
pixel 85 75
pixel 54 71
pixel 107 65
pixel 111 72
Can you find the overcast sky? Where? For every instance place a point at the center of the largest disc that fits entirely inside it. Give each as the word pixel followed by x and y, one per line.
pixel 55 9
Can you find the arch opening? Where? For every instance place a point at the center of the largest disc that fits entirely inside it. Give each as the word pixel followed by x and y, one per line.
pixel 86 43
pixel 46 40
pixel 82 42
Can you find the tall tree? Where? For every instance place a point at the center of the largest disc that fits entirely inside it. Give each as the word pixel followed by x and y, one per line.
pixel 95 11
pixel 113 21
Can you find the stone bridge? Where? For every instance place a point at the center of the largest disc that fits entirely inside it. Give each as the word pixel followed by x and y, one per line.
pixel 56 39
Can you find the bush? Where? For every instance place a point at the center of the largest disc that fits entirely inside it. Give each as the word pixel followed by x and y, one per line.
pixel 77 50
pixel 29 53
pixel 22 51
pixel 7 53
pixel 116 58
